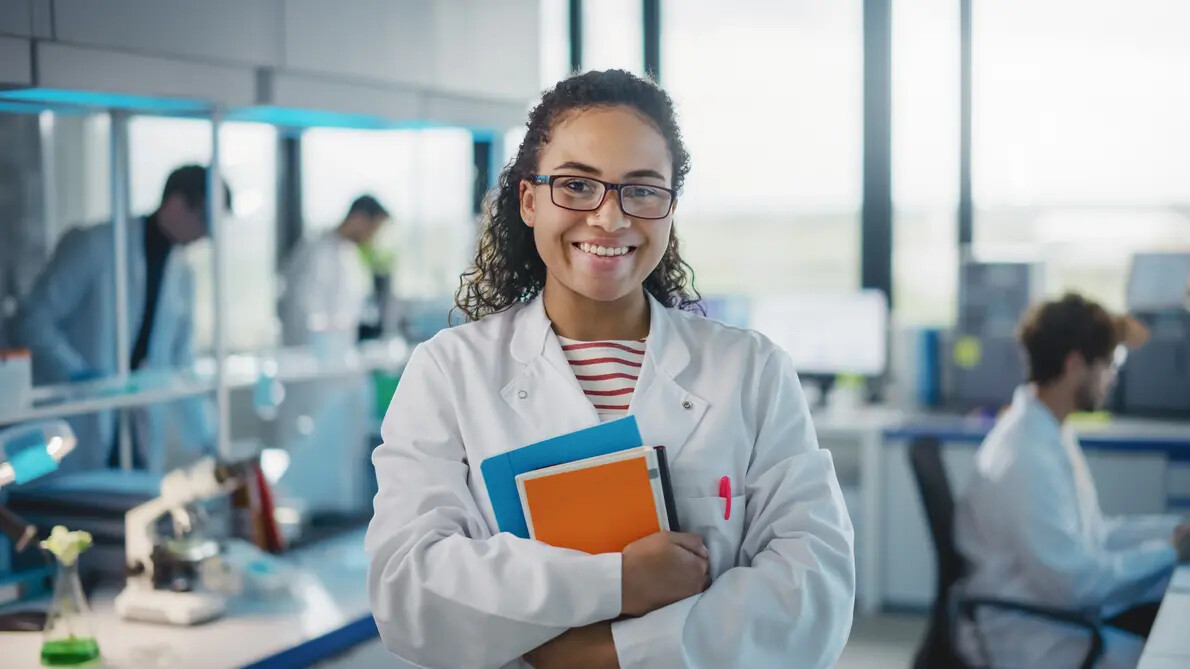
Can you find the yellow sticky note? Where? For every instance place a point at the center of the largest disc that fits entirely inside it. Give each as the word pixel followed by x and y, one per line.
pixel 967 352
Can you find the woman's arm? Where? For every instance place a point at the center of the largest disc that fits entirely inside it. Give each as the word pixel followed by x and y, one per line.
pixel 790 602
pixel 444 591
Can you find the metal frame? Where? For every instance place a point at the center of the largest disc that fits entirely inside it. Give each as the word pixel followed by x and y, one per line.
pixel 966 212
pixel 120 212
pixel 876 238
pixel 576 36
pixel 215 204
pixel 482 156
pixel 651 27
pixel 289 194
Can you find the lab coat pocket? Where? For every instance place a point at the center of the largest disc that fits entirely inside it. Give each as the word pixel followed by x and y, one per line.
pixel 704 516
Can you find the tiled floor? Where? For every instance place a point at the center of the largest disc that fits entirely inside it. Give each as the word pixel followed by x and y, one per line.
pixel 882 642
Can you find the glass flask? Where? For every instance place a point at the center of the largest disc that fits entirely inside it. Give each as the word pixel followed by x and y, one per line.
pixel 68 639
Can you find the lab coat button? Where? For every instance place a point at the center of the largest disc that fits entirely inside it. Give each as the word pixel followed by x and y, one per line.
pixel 522 394
pixel 687 405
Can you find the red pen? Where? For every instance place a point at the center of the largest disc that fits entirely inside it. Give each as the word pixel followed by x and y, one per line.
pixel 725 493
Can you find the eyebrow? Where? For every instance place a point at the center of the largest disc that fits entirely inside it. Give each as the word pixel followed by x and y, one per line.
pixel 634 174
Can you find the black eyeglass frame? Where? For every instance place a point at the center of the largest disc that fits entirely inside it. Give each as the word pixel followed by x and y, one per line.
pixel 608 186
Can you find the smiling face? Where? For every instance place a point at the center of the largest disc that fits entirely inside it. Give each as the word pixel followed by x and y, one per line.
pixel 602 255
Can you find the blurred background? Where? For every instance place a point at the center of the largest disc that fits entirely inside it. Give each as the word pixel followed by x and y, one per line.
pixel 881 186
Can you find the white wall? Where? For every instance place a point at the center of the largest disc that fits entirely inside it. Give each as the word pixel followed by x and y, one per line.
pixel 15 65
pixel 229 31
pixel 460 46
pixel 484 53
pixel 16 18
pixel 386 40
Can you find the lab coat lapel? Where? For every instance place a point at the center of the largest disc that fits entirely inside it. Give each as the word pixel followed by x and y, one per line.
pixel 545 393
pixel 666 412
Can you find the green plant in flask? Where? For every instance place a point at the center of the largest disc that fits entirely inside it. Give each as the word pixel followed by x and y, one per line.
pixel 68 640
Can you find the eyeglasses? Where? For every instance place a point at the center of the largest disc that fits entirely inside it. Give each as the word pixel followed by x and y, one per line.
pixel 586 194
pixel 1119 357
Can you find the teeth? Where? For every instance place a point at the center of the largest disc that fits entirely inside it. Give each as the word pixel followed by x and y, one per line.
pixel 603 250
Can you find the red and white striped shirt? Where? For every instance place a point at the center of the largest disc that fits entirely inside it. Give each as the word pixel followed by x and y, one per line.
pixel 607 372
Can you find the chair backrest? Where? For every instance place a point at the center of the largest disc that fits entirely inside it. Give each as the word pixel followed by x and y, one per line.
pixel 925 458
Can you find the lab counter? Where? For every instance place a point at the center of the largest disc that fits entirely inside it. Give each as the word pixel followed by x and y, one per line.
pixel 1168 645
pixel 1140 465
pixel 325 612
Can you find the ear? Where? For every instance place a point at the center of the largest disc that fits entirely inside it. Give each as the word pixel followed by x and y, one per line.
pixel 1075 364
pixel 528 203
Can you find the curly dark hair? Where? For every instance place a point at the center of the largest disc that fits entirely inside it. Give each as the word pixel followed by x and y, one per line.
pixel 507 268
pixel 1053 330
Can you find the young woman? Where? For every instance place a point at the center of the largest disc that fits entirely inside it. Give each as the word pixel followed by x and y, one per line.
pixel 581 312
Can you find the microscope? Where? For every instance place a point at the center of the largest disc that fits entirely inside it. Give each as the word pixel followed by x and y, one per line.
pixel 164 575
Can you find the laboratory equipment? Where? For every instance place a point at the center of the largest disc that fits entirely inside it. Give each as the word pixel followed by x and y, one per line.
pixel 982 359
pixel 827 334
pixel 68 639
pixel 95 501
pixel 32 450
pixel 165 574
pixel 1155 379
pixel 1159 282
pixel 27 452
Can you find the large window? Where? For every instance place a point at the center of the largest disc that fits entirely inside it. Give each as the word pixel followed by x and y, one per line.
pixel 613 35
pixel 554 34
pixel 769 99
pixel 248 160
pixel 423 178
pixel 925 160
pixel 1081 148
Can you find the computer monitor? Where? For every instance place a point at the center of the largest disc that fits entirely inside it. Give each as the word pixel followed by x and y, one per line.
pixel 827 335
pixel 1159 281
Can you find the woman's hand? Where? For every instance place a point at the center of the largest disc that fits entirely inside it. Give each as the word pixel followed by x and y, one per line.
pixel 661 569
pixel 589 647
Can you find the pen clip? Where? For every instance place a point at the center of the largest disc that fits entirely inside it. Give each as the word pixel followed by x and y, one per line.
pixel 725 493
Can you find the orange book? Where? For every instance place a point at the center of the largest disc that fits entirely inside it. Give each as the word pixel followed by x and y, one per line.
pixel 600 504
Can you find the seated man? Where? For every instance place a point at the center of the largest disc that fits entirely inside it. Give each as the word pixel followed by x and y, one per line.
pixel 1029 524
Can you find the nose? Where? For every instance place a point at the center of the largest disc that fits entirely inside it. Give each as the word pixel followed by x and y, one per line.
pixel 609 215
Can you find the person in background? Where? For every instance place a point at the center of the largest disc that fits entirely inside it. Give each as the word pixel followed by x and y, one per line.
pixel 329 283
pixel 1029 523
pixel 329 277
pixel 67 320
pixel 582 311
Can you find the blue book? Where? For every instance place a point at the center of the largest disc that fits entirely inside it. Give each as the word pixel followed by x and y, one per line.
pixel 500 471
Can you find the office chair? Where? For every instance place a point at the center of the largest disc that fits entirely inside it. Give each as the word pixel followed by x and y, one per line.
pixel 937 650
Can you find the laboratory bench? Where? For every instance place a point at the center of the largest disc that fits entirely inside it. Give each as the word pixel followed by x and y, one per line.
pixel 325 612
pixel 1140 466
pixel 1168 645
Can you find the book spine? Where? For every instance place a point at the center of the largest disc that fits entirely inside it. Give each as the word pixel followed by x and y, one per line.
pixel 667 490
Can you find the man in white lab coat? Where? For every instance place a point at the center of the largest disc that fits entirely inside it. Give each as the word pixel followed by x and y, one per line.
pixel 328 277
pixel 328 280
pixel 68 321
pixel 1029 523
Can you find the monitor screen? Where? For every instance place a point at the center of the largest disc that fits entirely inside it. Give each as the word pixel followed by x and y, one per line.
pixel 1159 281
pixel 827 334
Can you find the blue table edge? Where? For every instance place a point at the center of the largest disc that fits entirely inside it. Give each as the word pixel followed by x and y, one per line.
pixel 1177 448
pixel 322 647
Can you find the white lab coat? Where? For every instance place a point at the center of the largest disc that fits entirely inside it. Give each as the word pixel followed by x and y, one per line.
pixel 449 592
pixel 68 322
pixel 1030 526
pixel 326 287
